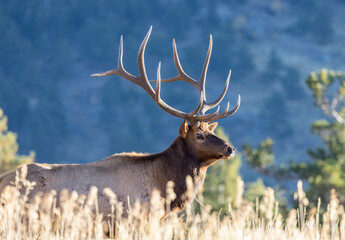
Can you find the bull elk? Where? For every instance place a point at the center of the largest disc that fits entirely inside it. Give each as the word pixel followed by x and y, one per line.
pixel 133 176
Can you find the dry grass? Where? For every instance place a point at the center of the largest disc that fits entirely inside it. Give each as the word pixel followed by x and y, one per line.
pixel 77 217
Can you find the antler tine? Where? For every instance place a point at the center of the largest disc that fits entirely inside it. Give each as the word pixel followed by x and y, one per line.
pixel 226 113
pixel 141 80
pixel 206 117
pixel 144 82
pixel 199 85
pixel 222 115
pixel 236 107
pixel 120 58
pixel 208 106
pixel 182 75
pixel 120 71
pixel 169 109
pixel 202 81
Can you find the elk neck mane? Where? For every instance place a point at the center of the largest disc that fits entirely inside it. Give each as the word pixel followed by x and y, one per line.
pixel 177 152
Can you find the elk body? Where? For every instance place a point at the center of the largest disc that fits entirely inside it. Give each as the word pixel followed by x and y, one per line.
pixel 133 176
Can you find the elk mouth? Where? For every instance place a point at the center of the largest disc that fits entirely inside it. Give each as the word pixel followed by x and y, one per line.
pixel 225 156
pixel 230 152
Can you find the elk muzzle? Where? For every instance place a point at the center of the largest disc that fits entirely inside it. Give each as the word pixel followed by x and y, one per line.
pixel 229 152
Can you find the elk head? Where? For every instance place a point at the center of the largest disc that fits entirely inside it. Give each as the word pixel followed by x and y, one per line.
pixel 199 132
pixel 204 143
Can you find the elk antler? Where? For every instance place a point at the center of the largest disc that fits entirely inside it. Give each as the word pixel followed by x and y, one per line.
pixel 143 82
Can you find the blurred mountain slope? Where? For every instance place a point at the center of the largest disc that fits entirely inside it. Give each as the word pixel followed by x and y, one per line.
pixel 49 49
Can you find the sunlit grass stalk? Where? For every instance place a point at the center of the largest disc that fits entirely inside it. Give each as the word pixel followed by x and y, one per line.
pixel 70 216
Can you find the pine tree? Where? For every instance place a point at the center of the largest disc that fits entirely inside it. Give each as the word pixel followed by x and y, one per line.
pixel 220 184
pixel 260 158
pixel 326 169
pixel 9 158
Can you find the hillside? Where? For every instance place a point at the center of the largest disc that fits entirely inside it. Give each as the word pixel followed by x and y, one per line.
pixel 49 49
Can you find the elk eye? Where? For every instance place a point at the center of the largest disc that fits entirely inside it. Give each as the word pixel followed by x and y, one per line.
pixel 200 136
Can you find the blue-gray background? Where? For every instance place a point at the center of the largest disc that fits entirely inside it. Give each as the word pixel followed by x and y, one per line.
pixel 49 49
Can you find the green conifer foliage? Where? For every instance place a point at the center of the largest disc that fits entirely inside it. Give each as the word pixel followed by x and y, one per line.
pixel 262 157
pixel 220 184
pixel 327 169
pixel 254 190
pixel 9 159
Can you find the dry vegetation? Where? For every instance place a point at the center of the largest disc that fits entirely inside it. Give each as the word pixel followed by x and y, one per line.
pixel 77 217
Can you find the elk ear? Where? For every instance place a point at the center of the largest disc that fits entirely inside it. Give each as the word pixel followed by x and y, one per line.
pixel 212 126
pixel 183 129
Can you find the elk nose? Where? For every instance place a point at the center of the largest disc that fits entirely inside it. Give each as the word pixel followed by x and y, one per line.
pixel 231 150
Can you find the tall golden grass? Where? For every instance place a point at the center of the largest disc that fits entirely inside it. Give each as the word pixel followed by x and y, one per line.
pixel 77 217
